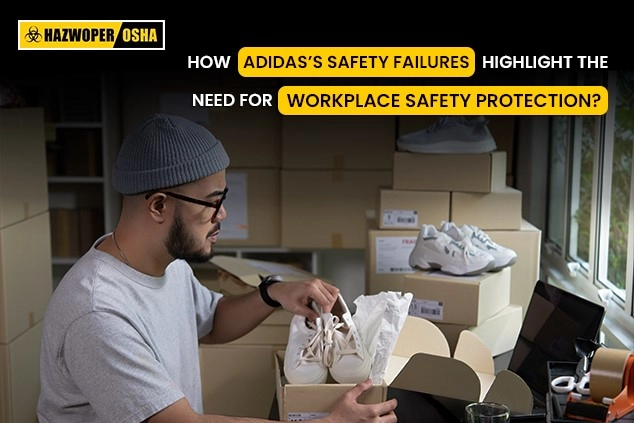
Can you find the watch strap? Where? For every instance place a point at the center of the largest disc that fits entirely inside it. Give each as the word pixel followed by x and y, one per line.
pixel 264 289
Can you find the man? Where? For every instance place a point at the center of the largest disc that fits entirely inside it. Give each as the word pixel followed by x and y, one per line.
pixel 121 332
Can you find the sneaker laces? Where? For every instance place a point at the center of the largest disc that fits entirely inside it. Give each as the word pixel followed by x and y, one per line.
pixel 337 341
pixel 482 236
pixel 313 350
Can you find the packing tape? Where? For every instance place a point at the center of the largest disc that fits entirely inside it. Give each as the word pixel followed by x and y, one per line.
pixel 607 373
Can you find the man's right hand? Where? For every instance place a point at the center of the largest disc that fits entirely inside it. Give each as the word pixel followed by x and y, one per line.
pixel 348 410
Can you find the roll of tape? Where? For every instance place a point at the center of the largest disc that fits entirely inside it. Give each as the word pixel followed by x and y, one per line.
pixel 607 373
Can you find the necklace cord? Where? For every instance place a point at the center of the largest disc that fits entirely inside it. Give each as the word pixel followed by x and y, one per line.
pixel 116 244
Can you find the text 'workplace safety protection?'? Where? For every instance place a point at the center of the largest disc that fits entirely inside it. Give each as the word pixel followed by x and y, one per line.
pixel 410 62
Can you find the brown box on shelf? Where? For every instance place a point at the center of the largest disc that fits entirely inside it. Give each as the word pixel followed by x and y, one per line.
pixel 23 180
pixel 499 332
pixel 468 300
pixel 526 242
pixel 90 227
pixel 329 208
pixel 253 208
pixel 20 376
pixel 64 224
pixel 388 259
pixel 501 209
pixel 402 209
pixel 26 280
pixel 502 128
pixel 338 142
pixel 80 151
pixel 450 172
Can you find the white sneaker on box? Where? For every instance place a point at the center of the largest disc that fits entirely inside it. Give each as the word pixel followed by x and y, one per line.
pixel 448 135
pixel 303 360
pixel 437 250
pixel 344 351
pixel 504 256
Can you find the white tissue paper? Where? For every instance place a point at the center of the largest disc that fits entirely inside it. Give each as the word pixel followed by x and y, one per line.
pixel 379 319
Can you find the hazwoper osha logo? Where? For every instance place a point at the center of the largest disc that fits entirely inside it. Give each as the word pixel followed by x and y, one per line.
pixel 91 35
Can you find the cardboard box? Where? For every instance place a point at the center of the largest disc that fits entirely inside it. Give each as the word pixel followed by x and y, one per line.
pixel 20 376
pixel 526 242
pixel 502 128
pixel 494 210
pixel 388 259
pixel 499 332
pixel 253 208
pixel 449 172
pixel 26 279
pixel 468 300
pixel 23 169
pixel 421 349
pixel 238 380
pixel 237 127
pixel 400 209
pixel 329 209
pixel 338 142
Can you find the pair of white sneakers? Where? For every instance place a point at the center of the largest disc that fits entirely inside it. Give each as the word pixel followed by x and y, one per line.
pixel 459 250
pixel 331 344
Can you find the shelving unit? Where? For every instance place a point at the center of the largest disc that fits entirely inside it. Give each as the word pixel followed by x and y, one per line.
pixel 82 137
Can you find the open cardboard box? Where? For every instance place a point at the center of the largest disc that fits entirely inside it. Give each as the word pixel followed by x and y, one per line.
pixel 420 362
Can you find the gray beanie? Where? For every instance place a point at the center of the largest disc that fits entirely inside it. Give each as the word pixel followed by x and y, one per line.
pixel 164 151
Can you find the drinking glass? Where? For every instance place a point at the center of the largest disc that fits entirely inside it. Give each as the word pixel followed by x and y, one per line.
pixel 487 412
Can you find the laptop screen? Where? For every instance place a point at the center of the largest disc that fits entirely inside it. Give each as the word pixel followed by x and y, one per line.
pixel 554 319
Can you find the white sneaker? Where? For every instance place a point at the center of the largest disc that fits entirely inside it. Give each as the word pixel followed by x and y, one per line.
pixel 303 360
pixel 504 256
pixel 450 135
pixel 437 250
pixel 344 352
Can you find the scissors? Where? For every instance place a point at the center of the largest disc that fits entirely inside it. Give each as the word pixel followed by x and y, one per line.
pixel 566 384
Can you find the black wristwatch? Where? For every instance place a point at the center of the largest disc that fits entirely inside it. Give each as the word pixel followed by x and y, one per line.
pixel 264 289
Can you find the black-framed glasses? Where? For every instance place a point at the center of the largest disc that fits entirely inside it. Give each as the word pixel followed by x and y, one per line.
pixel 182 197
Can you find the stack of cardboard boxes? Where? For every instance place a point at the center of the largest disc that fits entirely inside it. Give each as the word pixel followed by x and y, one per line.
pixel 464 189
pixel 26 279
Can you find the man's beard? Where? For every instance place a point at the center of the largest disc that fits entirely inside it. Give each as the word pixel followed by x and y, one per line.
pixel 181 245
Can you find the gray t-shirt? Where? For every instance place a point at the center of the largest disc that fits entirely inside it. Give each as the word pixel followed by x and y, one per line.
pixel 118 345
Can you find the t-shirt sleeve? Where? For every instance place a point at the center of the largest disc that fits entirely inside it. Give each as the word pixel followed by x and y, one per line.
pixel 205 302
pixel 116 369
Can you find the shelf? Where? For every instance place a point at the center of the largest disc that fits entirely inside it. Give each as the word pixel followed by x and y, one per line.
pixel 75 180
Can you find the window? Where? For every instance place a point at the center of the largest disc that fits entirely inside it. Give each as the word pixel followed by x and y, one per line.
pixel 590 212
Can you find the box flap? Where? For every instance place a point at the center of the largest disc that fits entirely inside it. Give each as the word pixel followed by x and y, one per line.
pixel 249 270
pixel 436 375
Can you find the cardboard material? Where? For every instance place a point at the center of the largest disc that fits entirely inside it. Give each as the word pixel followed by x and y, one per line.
pixel 502 128
pixel 329 208
pixel 26 279
pixel 494 210
pixel 466 300
pixel 401 209
pixel 239 276
pixel 450 172
pixel 20 376
pixel 338 142
pixel 415 365
pixel 249 270
pixel 253 198
pixel 499 332
pixel 387 259
pixel 526 242
pixel 238 380
pixel 23 188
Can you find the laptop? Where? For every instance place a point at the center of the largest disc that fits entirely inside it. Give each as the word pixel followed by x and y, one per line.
pixel 554 319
